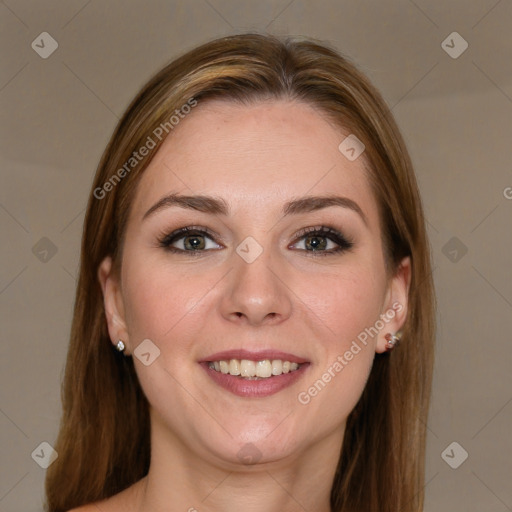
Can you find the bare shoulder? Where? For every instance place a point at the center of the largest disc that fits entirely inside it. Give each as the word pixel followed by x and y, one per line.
pixel 85 508
pixel 124 501
pixel 95 507
pixel 108 505
pixel 99 506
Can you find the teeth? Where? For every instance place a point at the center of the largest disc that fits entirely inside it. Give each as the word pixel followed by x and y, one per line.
pixel 253 370
pixel 263 368
pixel 277 367
pixel 224 366
pixel 234 367
pixel 247 368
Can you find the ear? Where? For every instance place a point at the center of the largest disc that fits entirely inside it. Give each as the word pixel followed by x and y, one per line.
pixel 113 303
pixel 395 303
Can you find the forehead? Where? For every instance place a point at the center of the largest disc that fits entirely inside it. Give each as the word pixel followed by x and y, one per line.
pixel 255 156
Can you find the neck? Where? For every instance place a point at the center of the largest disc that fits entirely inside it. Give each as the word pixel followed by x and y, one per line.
pixel 182 480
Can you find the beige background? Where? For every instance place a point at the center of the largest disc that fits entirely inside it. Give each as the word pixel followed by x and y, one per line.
pixel 455 114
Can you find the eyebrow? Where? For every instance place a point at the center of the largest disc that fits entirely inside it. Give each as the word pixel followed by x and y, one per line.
pixel 218 206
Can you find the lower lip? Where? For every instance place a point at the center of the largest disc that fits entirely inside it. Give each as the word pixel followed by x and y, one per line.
pixel 255 388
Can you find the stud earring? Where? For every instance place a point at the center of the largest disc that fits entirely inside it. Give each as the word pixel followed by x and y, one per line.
pixel 392 340
pixel 120 346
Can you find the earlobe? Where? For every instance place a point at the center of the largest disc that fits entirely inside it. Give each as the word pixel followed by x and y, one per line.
pixel 113 303
pixel 396 307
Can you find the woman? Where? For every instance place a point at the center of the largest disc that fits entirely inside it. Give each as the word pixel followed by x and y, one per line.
pixel 262 371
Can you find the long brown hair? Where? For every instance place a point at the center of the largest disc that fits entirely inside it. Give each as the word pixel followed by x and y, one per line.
pixel 104 440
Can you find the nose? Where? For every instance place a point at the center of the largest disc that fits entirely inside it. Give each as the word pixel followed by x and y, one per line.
pixel 256 292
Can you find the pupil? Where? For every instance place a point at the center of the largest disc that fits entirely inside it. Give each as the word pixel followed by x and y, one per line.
pixel 194 242
pixel 315 244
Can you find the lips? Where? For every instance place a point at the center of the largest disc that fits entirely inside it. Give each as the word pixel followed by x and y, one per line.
pixel 258 388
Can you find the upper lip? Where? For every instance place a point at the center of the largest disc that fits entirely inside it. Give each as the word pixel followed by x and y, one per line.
pixel 254 356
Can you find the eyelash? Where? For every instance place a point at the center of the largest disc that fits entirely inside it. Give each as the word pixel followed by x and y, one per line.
pixel 332 234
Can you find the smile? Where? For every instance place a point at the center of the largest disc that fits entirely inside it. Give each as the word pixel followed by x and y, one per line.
pixel 254 374
pixel 253 370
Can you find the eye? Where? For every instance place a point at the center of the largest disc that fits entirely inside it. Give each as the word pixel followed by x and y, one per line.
pixel 316 240
pixel 190 238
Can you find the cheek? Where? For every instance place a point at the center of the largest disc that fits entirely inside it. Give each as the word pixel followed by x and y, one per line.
pixel 169 306
pixel 345 303
pixel 346 307
pixel 156 299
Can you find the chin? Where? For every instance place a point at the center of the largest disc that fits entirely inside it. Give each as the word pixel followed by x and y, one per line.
pixel 255 445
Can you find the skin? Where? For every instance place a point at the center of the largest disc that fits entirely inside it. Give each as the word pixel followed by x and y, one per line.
pixel 256 158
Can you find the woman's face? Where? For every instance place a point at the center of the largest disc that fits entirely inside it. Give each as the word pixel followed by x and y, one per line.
pixel 248 278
